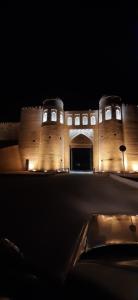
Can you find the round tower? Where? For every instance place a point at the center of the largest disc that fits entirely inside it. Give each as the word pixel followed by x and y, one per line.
pixel 52 135
pixel 29 136
pixel 110 134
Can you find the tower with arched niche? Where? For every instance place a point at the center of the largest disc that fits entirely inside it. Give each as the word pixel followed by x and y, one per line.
pixel 110 133
pixel 51 153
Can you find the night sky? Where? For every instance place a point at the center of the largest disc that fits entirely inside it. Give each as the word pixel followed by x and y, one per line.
pixel 74 51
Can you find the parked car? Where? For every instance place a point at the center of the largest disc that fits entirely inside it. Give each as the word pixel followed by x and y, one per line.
pixel 105 261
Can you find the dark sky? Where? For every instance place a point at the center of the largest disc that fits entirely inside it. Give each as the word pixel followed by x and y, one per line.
pixel 74 51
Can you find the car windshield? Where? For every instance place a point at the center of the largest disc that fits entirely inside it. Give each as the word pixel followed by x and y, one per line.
pixel 108 235
pixel 112 229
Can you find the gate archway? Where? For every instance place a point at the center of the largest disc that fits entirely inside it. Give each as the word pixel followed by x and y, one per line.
pixel 81 153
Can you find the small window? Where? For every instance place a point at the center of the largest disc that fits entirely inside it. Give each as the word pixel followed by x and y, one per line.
pixel 61 118
pixel 108 113
pixel 69 120
pixel 93 120
pixel 45 116
pixel 85 120
pixel 53 116
pixel 118 113
pixel 100 116
pixel 77 120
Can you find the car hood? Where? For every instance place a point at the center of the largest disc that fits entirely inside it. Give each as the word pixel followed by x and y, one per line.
pixel 118 281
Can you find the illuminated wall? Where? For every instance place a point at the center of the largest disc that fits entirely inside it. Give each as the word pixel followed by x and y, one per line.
pixel 130 127
pixel 87 126
pixel 45 135
pixel 29 137
pixel 10 159
pixel 9 131
pixel 110 135
pixel 51 155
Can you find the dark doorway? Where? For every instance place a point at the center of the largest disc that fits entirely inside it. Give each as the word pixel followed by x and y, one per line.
pixel 81 159
pixel 27 164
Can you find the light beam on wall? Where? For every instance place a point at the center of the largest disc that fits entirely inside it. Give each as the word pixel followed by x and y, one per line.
pixel 135 166
pixel 31 165
pixel 75 132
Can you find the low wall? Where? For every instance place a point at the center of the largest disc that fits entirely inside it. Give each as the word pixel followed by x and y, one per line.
pixel 10 159
pixel 127 181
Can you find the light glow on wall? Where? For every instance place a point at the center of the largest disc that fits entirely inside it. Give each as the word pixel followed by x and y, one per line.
pixel 61 118
pixel 135 166
pixel 77 120
pixel 31 165
pixel 118 113
pixel 45 116
pixel 100 116
pixel 84 120
pixel 69 120
pixel 108 113
pixel 53 115
pixel 125 162
pixel 93 120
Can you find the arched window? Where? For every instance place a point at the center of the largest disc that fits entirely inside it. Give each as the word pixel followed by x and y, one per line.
pixel 85 120
pixel 69 120
pixel 108 113
pixel 77 120
pixel 118 113
pixel 93 120
pixel 100 116
pixel 53 115
pixel 45 116
pixel 61 118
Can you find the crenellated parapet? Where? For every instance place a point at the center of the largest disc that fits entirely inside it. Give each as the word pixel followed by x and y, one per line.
pixel 9 124
pixel 30 108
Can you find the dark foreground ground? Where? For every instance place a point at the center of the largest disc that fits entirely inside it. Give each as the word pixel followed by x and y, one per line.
pixel 43 215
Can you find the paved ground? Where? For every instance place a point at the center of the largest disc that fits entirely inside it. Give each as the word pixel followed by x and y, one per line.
pixel 44 214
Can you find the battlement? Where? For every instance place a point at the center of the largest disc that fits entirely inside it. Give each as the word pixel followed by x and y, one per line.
pixel 130 105
pixel 9 124
pixel 30 108
pixel 80 111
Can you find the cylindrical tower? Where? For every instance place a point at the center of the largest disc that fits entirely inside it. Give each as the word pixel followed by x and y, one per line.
pixel 29 136
pixel 110 134
pixel 52 135
pixel 130 124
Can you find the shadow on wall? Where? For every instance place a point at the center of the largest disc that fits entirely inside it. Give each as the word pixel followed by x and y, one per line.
pixel 10 159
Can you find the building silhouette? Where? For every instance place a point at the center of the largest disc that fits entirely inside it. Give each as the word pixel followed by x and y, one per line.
pixel 49 138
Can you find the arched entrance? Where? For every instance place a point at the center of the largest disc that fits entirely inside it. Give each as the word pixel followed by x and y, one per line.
pixel 81 153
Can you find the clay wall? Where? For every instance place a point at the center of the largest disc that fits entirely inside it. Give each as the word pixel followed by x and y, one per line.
pixel 110 137
pixel 29 138
pixel 9 131
pixel 10 159
pixel 130 127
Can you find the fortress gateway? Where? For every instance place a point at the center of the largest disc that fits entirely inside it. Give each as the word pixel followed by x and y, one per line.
pixel 49 138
